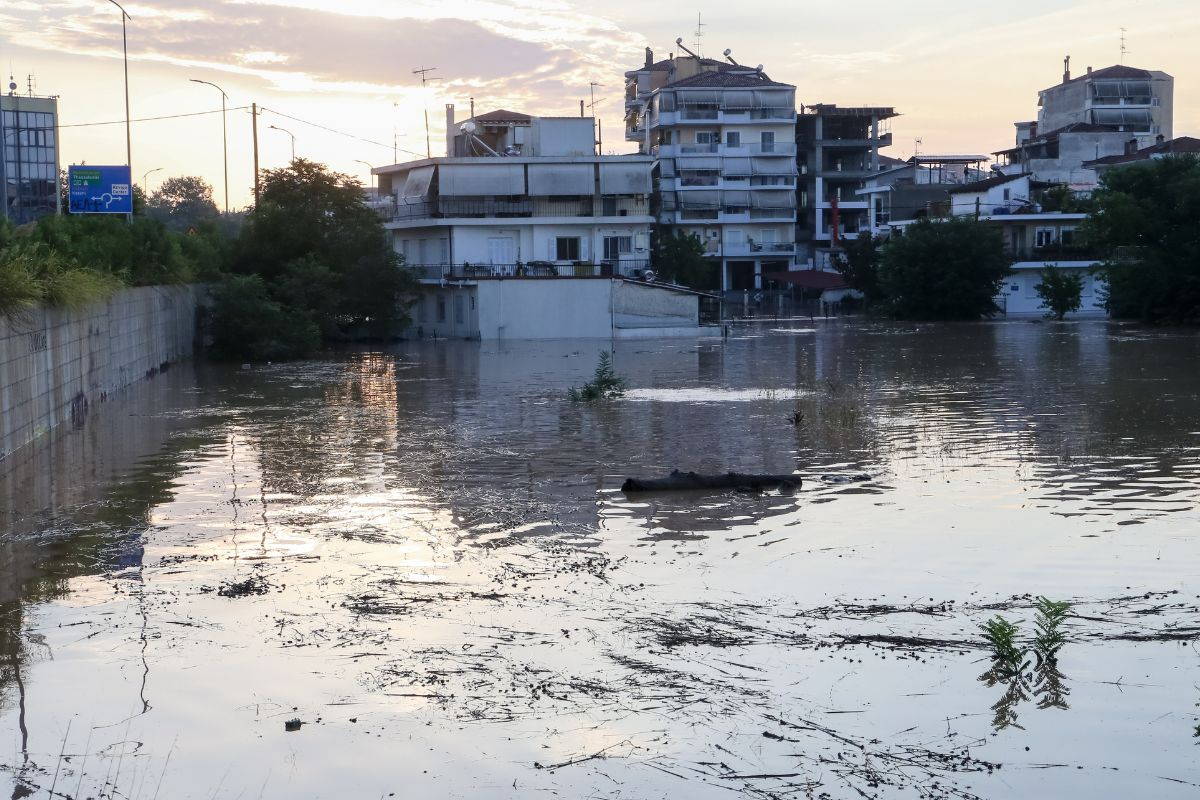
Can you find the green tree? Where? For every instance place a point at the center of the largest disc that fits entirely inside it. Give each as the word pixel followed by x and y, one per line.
pixel 321 257
pixel 183 202
pixel 247 323
pixel 678 257
pixel 858 263
pixel 1061 291
pixel 945 269
pixel 1147 225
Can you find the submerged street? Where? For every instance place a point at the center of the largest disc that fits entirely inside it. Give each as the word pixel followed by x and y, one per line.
pixel 422 553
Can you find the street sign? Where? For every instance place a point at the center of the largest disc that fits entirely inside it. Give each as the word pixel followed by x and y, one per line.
pixel 100 190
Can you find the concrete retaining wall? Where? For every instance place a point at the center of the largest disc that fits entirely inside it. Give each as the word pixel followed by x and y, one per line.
pixel 55 365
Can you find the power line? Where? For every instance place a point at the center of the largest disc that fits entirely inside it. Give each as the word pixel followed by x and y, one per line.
pixel 149 119
pixel 340 133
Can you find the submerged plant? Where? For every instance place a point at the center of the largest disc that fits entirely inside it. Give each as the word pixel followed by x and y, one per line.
pixel 1049 639
pixel 605 383
pixel 1007 658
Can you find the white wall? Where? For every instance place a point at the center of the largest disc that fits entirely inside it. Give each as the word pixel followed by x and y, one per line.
pixel 1019 298
pixel 545 309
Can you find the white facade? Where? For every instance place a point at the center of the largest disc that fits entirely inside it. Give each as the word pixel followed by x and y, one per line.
pixel 530 214
pixel 724 139
pixel 562 308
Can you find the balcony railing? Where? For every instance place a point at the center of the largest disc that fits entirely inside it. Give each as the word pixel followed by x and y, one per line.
pixel 606 268
pixel 495 208
pixel 1057 252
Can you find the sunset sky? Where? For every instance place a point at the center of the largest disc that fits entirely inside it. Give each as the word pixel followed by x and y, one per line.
pixel 959 72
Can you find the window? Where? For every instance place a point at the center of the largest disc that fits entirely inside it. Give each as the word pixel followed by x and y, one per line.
pixel 733 139
pixel 460 314
pixel 706 137
pixel 566 248
pixel 767 141
pixel 608 206
pixel 441 308
pixel 1067 237
pixel 1007 195
pixel 1044 237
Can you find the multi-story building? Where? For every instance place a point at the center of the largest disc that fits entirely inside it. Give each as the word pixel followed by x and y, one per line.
pixel 919 187
pixel 723 138
pixel 29 159
pixel 527 233
pixel 837 152
pixel 1163 148
pixel 1090 117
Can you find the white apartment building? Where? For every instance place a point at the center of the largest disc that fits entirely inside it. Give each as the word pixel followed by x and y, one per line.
pixel 550 208
pixel 723 137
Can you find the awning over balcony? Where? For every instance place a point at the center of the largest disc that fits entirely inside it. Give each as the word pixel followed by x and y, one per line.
pixel 684 163
pixel 697 97
pixel 632 178
pixel 416 183
pixel 738 100
pixel 773 98
pixel 773 200
pixel 1123 116
pixel 773 166
pixel 551 180
pixel 737 166
pixel 736 197
pixel 702 200
pixel 481 179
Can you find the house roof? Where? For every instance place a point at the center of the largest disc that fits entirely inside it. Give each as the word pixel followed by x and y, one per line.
pixel 832 110
pixel 1074 127
pixel 667 63
pixel 1116 71
pixel 500 115
pixel 1183 144
pixel 727 79
pixel 808 278
pixel 986 183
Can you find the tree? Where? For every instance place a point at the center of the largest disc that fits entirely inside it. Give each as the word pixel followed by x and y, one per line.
pixel 678 257
pixel 182 203
pixel 1147 225
pixel 945 269
pixel 858 263
pixel 321 258
pixel 1061 291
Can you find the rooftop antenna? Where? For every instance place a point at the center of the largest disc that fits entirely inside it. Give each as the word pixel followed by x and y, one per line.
pixel 592 107
pixel 423 71
pixel 917 146
pixel 729 57
pixel 699 33
pixel 1124 50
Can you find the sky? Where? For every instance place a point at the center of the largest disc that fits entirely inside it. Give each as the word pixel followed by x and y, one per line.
pixel 338 75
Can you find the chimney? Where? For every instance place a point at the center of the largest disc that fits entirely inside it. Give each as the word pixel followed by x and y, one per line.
pixel 1131 147
pixel 1089 70
pixel 1066 69
pixel 449 130
pixel 649 58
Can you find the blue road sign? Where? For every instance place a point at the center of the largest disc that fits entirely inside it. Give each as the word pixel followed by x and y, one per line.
pixel 100 190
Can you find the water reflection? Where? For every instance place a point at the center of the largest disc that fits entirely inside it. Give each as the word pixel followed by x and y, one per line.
pixel 450 571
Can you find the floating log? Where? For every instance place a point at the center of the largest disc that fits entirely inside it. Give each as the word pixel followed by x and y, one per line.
pixel 689 481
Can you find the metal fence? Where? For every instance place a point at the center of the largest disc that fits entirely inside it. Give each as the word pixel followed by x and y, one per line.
pixel 633 268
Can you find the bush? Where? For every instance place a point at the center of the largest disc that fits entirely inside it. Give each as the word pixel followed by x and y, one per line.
pixel 32 274
pixel 1061 291
pixel 247 325
pixel 605 382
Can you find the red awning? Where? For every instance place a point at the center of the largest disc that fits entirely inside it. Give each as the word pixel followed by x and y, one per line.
pixel 808 279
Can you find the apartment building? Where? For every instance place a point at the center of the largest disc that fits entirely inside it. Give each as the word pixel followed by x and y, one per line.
pixel 1090 117
pixel 837 152
pixel 29 157
pixel 723 139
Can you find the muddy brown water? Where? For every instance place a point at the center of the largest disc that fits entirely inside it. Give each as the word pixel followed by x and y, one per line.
pixel 422 554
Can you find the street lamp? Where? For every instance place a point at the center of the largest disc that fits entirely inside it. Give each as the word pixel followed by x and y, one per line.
pixel 147 174
pixel 125 56
pixel 224 135
pixel 370 170
pixel 289 133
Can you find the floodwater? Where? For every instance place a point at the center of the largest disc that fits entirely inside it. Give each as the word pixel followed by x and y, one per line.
pixel 424 556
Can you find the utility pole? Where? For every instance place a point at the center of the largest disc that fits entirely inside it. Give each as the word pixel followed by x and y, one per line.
pixel 254 126
pixel 423 71
pixel 125 57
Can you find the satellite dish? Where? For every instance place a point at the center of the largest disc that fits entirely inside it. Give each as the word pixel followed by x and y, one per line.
pixel 727 52
pixel 468 127
pixel 12 86
pixel 679 40
pixel 758 68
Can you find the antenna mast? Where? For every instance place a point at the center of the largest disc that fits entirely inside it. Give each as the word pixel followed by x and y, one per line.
pixel 699 34
pixel 423 71
pixel 1124 51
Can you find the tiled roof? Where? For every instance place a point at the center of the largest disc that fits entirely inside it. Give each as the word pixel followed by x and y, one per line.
pixel 667 63
pixel 501 115
pixel 1115 71
pixel 986 183
pixel 1074 127
pixel 724 80
pixel 1184 144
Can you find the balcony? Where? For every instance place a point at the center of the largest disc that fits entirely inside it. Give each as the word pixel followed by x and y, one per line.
pixel 1057 252
pixel 495 208
pixel 846 173
pixel 883 140
pixel 607 268
pixel 758 249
